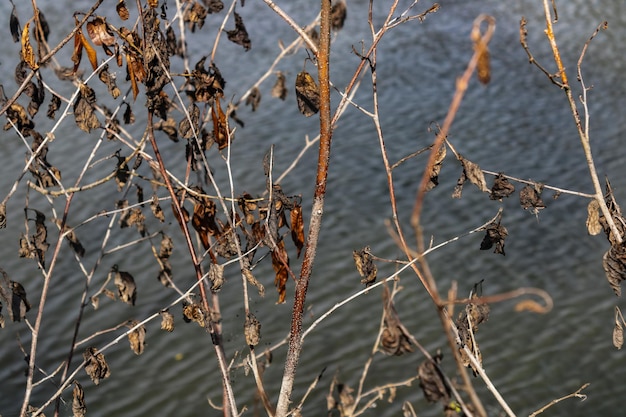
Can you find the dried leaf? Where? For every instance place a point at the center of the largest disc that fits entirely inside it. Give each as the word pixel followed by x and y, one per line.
pixel 109 81
pixel 3 215
pixel 252 330
pixel 204 221
pixel 221 135
pixel 129 117
pixel 216 275
pixel 593 218
pixel 279 90
pixel 54 105
pixel 195 16
pixel 125 283
pixel 169 127
pixel 338 14
pixel 297 228
pixel 530 198
pixel 84 112
pixel 474 174
pixel 14 296
pixel 194 312
pixel 467 325
pixel 365 265
pixel 72 239
pixel 16 114
pixel 137 338
pixel 432 382
pixel 433 180
pixel 96 366
pixel 307 94
pixel 618 330
pixel 188 126
pixel 100 32
pixel 122 10
pixel 167 321
pixel 14 24
pixel 614 264
pixel 157 211
pixel 501 188
pixel 495 235
pixel 239 35
pixel 254 98
pixel 214 6
pixel 395 338
pixel 252 279
pixel 28 54
pixel 79 407
pixel 280 263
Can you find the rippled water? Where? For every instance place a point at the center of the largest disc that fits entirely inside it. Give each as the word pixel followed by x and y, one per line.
pixel 519 124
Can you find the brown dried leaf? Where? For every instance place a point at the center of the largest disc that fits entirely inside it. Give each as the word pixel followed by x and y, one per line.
pixel 194 312
pixel 530 198
pixel 365 265
pixel 109 81
pixel 79 407
pixel 279 90
pixel 280 263
pixel 467 325
pixel 167 321
pixel 434 172
pixel 204 221
pixel 297 228
pixel 100 32
pixel 593 218
pixel 618 330
pixel 214 6
pixel 338 14
pixel 252 330
pixel 614 264
pixel 495 235
pixel 195 16
pixel 3 215
pixel 137 338
pixel 17 115
pixel 432 382
pixel 72 239
pixel 157 211
pixel 474 174
pixel 28 54
pixel 96 366
pixel 125 283
pixel 252 279
pixel 254 98
pixel 54 105
pixel 122 10
pixel 501 188
pixel 188 126
pixel 84 112
pixel 395 338
pixel 239 35
pixel 14 24
pixel 221 135
pixel 307 94
pixel 14 296
pixel 216 276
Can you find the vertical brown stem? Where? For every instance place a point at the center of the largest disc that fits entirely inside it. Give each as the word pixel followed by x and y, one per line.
pixel 295 336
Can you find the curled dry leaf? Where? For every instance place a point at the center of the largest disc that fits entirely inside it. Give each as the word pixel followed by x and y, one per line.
pixel 307 94
pixel 221 135
pixel 467 325
pixel 55 103
pixel 432 382
pixel 3 215
pixel 530 198
pixel 474 174
pixel 188 126
pixel 100 32
pixel 204 221
pixel 157 211
pixel 618 330
pixel 280 263
pixel 216 275
pixel 395 338
pixel 433 176
pixel 84 111
pixel 137 337
pixel 254 98
pixel 494 235
pixel 239 35
pixel 297 228
pixel 365 265
pixel 247 272
pixel 167 321
pixel 14 296
pixel 338 14
pixel 252 330
pixel 593 218
pixel 279 90
pixel 125 283
pixel 122 10
pixel 501 188
pixel 72 239
pixel 14 24
pixel 79 407
pixel 614 264
pixel 194 312
pixel 28 54
pixel 95 365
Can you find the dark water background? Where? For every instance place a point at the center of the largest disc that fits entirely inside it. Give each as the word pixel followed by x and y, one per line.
pixel 519 124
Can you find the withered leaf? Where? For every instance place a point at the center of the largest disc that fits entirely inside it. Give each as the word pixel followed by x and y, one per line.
pixel 54 105
pixel 252 279
pixel 125 283
pixel 28 54
pixel 501 188
pixel 365 265
pixel 474 174
pixel 14 24
pixel 614 264
pixel 338 14
pixel 214 6
pixel 105 76
pixel 307 94
pixel 17 116
pixel 618 330
pixel 467 324
pixel 14 296
pixel 221 135
pixel 395 338
pixel 433 180
pixel 188 126
pixel 252 330
pixel 72 239
pixel 79 407
pixel 194 312
pixel 157 211
pixel 195 16
pixel 279 90
pixel 254 98
pixel 167 321
pixel 432 382
pixel 169 127
pixel 122 173
pixel 96 366
pixel 100 32
pixel 129 116
pixel 122 10
pixel 530 198
pixel 216 276
pixel 204 221
pixel 3 215
pixel 280 263
pixel 239 35
pixel 494 235
pixel 44 27
pixel 84 112
pixel 593 218
pixel 297 228
pixel 616 214
pixel 137 337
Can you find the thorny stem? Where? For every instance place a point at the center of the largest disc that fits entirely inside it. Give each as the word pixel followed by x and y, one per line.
pixel 295 338
pixel 583 133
